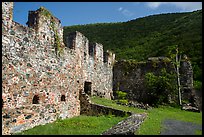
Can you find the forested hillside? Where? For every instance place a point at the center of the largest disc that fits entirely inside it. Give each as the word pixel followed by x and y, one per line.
pixel 150 36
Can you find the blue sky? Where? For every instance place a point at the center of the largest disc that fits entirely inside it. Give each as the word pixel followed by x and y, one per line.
pixel 75 13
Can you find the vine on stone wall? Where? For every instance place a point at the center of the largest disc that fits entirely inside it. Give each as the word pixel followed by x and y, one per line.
pixel 57 45
pixel 129 65
pixel 45 12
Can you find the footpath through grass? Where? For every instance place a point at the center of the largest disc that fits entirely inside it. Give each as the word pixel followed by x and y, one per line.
pixel 152 125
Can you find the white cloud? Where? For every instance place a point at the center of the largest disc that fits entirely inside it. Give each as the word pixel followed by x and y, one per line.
pixel 185 6
pixel 154 5
pixel 125 12
pixel 119 9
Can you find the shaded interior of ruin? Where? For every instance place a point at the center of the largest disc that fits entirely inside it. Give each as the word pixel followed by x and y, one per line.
pixel 36 99
pixel 87 87
pixel 63 98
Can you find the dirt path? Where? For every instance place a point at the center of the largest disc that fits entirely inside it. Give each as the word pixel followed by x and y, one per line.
pixel 175 127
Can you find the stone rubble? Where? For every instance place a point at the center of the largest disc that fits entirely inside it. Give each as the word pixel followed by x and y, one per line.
pixel 128 126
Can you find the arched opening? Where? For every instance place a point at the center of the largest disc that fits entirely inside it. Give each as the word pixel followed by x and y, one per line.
pixel 36 99
pixel 63 98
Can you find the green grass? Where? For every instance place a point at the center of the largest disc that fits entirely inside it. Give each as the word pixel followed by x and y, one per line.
pixel 152 125
pixel 112 103
pixel 93 125
pixel 198 132
pixel 80 125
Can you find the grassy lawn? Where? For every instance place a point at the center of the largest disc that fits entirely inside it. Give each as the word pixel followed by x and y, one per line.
pixel 81 125
pixel 93 125
pixel 198 132
pixel 153 123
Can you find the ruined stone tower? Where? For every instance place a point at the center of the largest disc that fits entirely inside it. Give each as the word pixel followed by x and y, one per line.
pixel 41 77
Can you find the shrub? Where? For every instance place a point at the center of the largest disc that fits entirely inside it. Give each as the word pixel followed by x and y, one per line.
pixel 122 97
pixel 198 85
pixel 121 94
pixel 160 87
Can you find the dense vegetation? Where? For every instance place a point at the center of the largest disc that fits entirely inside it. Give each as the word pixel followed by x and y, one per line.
pixel 150 36
pixel 159 87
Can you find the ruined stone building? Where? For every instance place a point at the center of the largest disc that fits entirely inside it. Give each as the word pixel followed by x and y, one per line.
pixel 43 78
pixel 129 76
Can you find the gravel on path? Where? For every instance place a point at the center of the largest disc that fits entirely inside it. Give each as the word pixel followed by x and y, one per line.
pixel 127 126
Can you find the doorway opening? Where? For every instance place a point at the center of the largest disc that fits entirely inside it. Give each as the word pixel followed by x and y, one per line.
pixel 87 87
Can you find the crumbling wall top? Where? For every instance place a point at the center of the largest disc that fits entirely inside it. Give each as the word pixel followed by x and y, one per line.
pixel 41 18
pixel 7 13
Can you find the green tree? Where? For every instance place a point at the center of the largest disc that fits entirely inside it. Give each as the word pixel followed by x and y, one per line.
pixel 160 87
pixel 175 56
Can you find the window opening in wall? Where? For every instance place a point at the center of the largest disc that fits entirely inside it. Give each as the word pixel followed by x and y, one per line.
pixel 36 99
pixel 105 57
pixel 70 41
pixel 84 55
pixel 63 98
pixel 87 87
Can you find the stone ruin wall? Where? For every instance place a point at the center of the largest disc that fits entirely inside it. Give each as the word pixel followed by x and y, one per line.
pixel 129 77
pixel 38 85
pixel 32 72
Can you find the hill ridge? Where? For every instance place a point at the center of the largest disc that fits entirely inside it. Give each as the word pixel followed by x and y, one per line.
pixel 150 36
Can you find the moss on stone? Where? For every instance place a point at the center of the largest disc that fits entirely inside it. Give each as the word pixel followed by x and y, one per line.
pixel 130 65
pixel 57 45
pixel 45 12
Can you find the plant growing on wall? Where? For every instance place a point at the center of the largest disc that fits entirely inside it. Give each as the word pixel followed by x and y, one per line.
pixel 57 45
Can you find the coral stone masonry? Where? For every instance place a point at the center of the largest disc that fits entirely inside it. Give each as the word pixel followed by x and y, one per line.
pixel 45 78
pixel 41 77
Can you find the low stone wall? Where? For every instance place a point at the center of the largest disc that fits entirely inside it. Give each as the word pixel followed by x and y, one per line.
pixel 104 110
pixel 125 127
pixel 91 109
